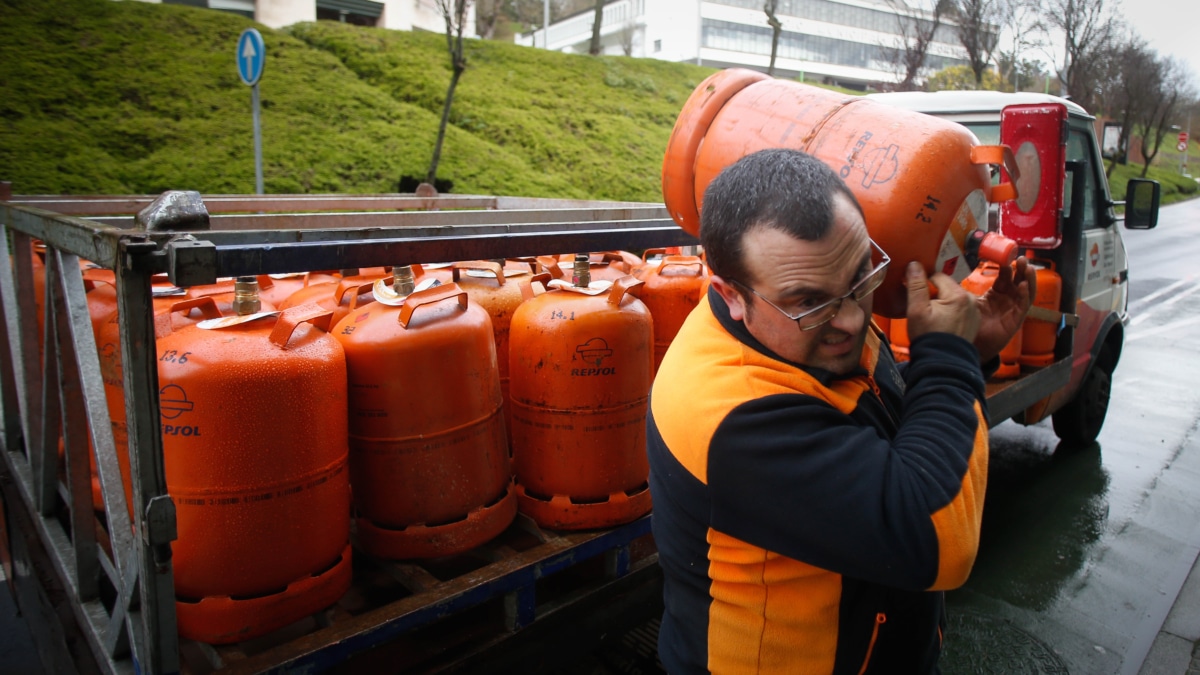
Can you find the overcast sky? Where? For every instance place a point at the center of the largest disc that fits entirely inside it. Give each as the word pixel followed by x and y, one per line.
pixel 1171 27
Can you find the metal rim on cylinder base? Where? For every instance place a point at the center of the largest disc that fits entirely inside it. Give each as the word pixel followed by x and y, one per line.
pixel 560 512
pixel 421 541
pixel 225 620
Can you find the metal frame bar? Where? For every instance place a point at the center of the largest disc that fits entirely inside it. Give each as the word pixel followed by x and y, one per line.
pixel 69 384
pixel 142 619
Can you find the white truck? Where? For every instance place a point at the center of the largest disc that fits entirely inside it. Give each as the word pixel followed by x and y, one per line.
pixel 1089 255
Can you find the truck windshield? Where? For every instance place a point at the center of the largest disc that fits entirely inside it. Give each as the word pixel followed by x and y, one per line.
pixel 988 133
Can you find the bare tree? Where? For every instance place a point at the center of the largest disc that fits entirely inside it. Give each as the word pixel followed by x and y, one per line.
pixel 916 29
pixel 979 32
pixel 1021 21
pixel 1125 85
pixel 1088 30
pixel 776 29
pixel 594 49
pixel 628 30
pixel 1172 95
pixel 487 14
pixel 454 12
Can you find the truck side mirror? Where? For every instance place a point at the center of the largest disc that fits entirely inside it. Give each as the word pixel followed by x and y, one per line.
pixel 1141 204
pixel 1037 135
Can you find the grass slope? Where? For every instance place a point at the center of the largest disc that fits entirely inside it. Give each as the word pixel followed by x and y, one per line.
pixel 130 97
pixel 602 123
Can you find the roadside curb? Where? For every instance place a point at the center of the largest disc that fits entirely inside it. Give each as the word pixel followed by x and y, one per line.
pixel 1176 649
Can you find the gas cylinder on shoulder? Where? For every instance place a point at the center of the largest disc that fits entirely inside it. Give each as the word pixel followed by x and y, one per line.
pixel 255 454
pixel 581 361
pixel 923 182
pixel 429 459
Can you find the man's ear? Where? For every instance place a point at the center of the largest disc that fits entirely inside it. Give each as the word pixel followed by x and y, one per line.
pixel 732 297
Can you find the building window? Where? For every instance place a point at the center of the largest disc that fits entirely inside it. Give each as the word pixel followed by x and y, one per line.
pixel 736 37
pixel 357 12
pixel 657 46
pixel 828 11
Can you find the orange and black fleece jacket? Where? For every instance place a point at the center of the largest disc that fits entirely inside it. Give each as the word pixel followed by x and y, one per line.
pixel 806 522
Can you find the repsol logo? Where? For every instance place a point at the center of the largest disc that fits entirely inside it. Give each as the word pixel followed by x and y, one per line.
pixel 172 430
pixel 591 372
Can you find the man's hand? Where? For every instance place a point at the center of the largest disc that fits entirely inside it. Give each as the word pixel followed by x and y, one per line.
pixel 954 311
pixel 1003 307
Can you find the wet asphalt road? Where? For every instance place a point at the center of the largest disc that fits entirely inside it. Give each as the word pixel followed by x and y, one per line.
pixel 1084 550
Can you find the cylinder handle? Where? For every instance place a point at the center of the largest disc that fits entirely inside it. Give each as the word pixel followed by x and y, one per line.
pixel 999 154
pixel 542 278
pixel 621 286
pixel 428 297
pixel 484 265
pixel 680 261
pixel 292 317
pixel 358 285
pixel 206 305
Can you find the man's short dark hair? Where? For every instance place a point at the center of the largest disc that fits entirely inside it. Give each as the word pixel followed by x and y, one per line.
pixel 788 190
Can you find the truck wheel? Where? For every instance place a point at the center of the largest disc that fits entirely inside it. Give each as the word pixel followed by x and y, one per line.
pixel 1078 422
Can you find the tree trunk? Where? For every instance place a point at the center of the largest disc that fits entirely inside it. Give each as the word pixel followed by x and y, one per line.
pixel 776 30
pixel 594 49
pixel 441 136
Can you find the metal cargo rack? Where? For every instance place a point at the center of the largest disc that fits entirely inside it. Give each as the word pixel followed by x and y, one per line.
pixel 111 576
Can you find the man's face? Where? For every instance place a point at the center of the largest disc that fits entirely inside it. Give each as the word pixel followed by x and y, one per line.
pixel 797 275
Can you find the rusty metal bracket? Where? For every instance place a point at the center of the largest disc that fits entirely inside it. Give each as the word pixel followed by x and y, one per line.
pixel 191 262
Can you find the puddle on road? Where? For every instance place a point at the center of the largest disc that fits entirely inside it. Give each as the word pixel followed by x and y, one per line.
pixel 1046 509
pixel 983 645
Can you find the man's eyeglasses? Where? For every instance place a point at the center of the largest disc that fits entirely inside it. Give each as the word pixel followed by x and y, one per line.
pixel 823 313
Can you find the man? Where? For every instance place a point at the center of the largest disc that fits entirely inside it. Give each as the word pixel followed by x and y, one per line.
pixel 812 499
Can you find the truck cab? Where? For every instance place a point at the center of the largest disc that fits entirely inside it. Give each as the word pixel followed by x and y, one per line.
pixel 1089 256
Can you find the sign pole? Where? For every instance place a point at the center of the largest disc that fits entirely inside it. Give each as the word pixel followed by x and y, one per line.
pixel 251 55
pixel 258 167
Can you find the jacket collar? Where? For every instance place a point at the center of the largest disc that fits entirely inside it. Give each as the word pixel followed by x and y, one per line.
pixel 737 329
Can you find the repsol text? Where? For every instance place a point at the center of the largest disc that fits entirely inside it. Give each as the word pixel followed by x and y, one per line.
pixel 173 430
pixel 592 372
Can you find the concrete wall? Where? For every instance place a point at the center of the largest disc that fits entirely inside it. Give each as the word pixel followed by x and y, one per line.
pixel 280 13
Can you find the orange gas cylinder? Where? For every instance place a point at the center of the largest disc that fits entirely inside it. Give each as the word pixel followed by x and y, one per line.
pixel 429 460
pixel 339 297
pixel 173 307
pixel 606 265
pixel 255 454
pixel 671 290
pixel 978 283
pixel 284 285
pixel 581 363
pixel 497 290
pixel 440 271
pixel 1037 336
pixel 923 182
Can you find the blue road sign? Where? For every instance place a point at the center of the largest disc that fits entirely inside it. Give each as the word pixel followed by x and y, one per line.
pixel 251 54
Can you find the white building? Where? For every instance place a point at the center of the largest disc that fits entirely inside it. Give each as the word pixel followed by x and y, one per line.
pixel 394 14
pixel 846 42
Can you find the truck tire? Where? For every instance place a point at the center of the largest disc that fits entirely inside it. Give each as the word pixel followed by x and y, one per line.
pixel 1078 422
